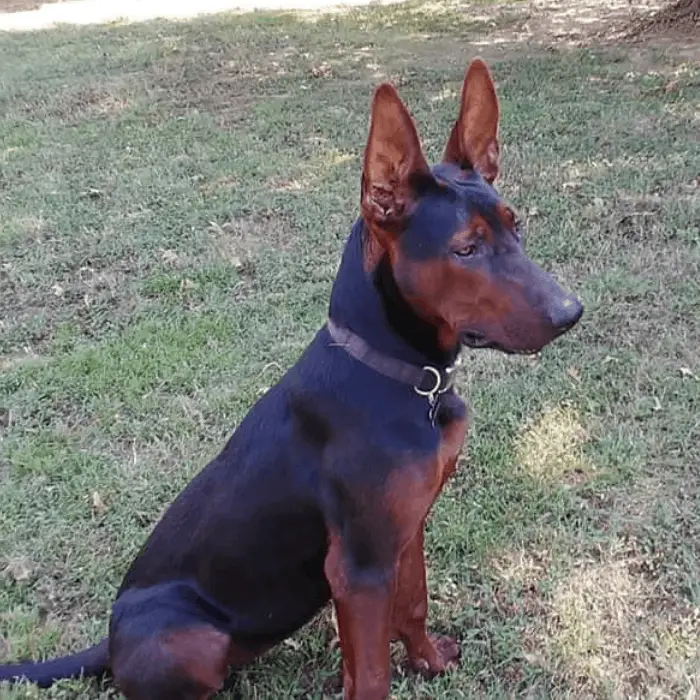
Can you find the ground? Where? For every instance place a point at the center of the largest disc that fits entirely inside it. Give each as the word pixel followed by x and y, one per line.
pixel 173 201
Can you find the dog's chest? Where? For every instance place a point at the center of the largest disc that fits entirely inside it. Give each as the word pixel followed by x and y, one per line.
pixel 452 419
pixel 415 484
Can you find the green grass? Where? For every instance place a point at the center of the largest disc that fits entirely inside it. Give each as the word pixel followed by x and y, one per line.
pixel 173 202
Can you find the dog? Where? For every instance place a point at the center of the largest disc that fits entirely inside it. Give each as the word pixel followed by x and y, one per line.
pixel 322 492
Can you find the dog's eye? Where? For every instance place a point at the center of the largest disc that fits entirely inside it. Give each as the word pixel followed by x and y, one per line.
pixel 467 252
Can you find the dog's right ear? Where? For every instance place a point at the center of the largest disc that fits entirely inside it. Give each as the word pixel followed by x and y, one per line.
pixel 393 160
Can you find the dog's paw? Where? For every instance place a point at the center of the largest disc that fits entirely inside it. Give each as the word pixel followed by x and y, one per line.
pixel 438 655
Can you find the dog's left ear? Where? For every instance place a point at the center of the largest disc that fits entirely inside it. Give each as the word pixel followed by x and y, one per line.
pixel 473 142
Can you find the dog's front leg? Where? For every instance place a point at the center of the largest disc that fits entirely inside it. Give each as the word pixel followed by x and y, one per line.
pixel 362 594
pixel 428 654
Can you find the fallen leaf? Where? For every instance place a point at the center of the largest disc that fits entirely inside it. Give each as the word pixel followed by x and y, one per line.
pixel 323 70
pixel 98 505
pixel 573 373
pixel 19 570
pixel 169 256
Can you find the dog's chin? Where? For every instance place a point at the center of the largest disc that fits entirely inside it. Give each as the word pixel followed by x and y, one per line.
pixel 479 341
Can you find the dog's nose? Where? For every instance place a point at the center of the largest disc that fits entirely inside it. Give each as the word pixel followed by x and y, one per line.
pixel 564 313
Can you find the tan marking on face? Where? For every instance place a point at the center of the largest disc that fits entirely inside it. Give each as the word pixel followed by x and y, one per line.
pixel 453 298
pixel 505 216
pixel 476 228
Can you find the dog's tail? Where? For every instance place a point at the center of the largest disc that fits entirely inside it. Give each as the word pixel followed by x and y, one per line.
pixel 90 663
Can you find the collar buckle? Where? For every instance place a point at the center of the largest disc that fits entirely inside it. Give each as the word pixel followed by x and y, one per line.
pixel 430 393
pixel 443 381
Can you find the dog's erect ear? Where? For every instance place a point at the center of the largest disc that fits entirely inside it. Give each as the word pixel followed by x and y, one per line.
pixel 474 139
pixel 393 159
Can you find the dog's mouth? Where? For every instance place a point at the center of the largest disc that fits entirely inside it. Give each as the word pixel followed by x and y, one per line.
pixel 479 341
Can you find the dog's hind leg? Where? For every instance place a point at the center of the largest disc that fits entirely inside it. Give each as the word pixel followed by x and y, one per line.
pixel 177 664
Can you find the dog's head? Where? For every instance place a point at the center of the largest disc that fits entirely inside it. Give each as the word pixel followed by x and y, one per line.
pixel 454 245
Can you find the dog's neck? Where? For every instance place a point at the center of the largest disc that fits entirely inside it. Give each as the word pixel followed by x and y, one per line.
pixel 371 305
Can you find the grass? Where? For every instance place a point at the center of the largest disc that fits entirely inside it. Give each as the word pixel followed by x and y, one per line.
pixel 173 202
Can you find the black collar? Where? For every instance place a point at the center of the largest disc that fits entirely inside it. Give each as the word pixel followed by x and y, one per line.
pixel 428 381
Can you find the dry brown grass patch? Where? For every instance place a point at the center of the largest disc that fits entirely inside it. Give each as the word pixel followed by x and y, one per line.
pixel 605 633
pixel 550 447
pixel 520 565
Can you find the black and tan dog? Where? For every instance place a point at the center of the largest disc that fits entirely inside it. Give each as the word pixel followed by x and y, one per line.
pixel 323 490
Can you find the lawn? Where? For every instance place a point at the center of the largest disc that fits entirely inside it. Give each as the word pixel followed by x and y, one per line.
pixel 173 202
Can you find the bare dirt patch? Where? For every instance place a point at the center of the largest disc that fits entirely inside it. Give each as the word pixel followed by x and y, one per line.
pixel 550 23
pixel 553 24
pixel 681 18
